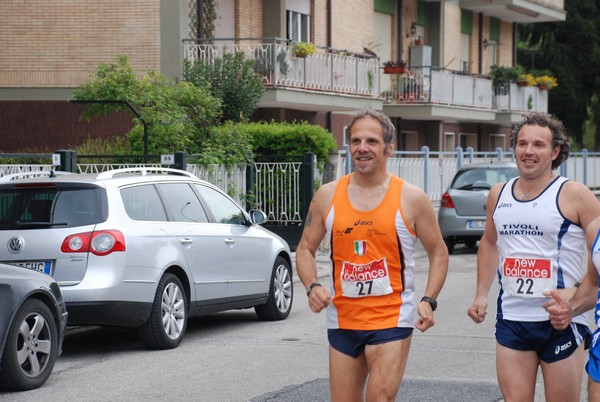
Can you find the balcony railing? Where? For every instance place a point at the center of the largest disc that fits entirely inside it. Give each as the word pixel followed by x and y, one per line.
pixel 513 97
pixel 337 72
pixel 445 87
pixel 327 70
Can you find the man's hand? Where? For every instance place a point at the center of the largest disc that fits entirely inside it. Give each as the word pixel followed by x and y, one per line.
pixel 425 320
pixel 559 311
pixel 477 311
pixel 318 299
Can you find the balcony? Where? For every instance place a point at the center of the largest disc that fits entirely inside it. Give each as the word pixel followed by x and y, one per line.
pixel 331 80
pixel 428 93
pixel 519 11
pixel 327 80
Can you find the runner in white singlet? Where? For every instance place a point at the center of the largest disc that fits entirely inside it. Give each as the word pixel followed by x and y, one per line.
pixel 533 244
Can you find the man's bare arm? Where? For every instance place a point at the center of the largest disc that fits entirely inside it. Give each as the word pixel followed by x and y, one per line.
pixel 312 235
pixel 487 260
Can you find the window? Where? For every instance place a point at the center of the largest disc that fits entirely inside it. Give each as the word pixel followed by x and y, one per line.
pixel 298 26
pixel 61 207
pixel 468 140
pixel 143 204
pixel 183 203
pixel 411 140
pixel 497 141
pixel 449 142
pixel 223 209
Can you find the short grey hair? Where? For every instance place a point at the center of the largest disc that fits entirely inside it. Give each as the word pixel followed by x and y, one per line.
pixel 389 131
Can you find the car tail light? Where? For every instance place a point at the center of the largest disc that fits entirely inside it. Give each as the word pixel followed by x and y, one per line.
pixel 447 201
pixel 102 242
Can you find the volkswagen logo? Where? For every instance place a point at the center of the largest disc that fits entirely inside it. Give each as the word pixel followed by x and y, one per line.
pixel 15 244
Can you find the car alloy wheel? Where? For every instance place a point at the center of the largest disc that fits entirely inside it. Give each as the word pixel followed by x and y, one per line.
pixel 168 319
pixel 31 348
pixel 281 292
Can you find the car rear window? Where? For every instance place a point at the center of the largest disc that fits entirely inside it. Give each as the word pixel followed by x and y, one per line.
pixel 32 207
pixel 482 178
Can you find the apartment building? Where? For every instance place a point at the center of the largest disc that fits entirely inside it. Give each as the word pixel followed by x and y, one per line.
pixel 443 100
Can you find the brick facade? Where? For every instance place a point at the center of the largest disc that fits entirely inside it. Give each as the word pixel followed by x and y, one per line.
pixel 57 43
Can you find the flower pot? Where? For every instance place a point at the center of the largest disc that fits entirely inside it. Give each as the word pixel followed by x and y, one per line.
pixel 395 70
pixel 522 83
pixel 543 86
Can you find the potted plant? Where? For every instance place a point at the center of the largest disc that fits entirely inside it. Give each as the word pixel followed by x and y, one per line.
pixel 526 80
pixel 303 49
pixel 395 67
pixel 502 75
pixel 546 82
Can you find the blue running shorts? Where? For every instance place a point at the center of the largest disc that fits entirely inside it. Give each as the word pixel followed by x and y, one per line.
pixel 550 344
pixel 593 365
pixel 353 342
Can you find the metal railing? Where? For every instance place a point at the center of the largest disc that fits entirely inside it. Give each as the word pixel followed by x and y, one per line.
pixel 433 171
pixel 447 87
pixel 276 189
pixel 327 70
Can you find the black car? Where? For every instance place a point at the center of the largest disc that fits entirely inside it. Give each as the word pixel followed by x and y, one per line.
pixel 33 320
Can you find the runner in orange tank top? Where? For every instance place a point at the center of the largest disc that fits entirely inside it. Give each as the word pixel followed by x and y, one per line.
pixel 373 220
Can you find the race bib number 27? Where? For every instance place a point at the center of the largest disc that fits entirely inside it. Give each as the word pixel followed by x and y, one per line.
pixel 361 280
pixel 527 277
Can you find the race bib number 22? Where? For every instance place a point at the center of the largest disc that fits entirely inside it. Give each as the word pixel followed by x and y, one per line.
pixel 527 277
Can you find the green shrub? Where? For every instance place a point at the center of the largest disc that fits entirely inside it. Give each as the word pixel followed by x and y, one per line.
pixel 290 139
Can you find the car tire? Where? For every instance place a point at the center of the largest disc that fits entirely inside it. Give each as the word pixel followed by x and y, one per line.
pixel 31 348
pixel 450 243
pixel 470 243
pixel 168 319
pixel 281 293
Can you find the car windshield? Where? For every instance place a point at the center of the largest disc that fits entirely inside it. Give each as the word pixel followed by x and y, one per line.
pixel 47 207
pixel 482 178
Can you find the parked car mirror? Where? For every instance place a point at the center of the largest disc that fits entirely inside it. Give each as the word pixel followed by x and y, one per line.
pixel 258 217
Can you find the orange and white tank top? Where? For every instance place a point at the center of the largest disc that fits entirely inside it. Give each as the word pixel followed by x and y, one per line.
pixel 372 277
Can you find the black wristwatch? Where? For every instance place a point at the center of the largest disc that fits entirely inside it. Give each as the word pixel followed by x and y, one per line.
pixel 432 302
pixel 311 287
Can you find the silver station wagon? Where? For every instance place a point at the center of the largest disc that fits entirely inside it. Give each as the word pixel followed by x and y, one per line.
pixel 462 212
pixel 144 248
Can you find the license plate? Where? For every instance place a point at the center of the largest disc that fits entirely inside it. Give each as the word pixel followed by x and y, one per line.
pixel 475 224
pixel 41 266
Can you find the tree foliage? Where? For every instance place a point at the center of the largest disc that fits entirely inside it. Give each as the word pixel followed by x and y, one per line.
pixel 178 115
pixel 571 50
pixel 233 80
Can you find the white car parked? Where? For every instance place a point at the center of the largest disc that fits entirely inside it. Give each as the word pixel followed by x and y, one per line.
pixel 144 248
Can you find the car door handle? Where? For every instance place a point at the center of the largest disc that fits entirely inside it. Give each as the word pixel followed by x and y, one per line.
pixel 186 240
pixel 229 241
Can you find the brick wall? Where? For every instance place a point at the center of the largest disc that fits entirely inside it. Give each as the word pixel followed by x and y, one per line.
pixel 46 126
pixel 352 24
pixel 249 20
pixel 56 43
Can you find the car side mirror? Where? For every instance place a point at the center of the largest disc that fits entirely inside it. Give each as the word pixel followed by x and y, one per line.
pixel 257 216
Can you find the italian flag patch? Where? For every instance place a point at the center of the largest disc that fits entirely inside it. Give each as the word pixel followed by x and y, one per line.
pixel 360 247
